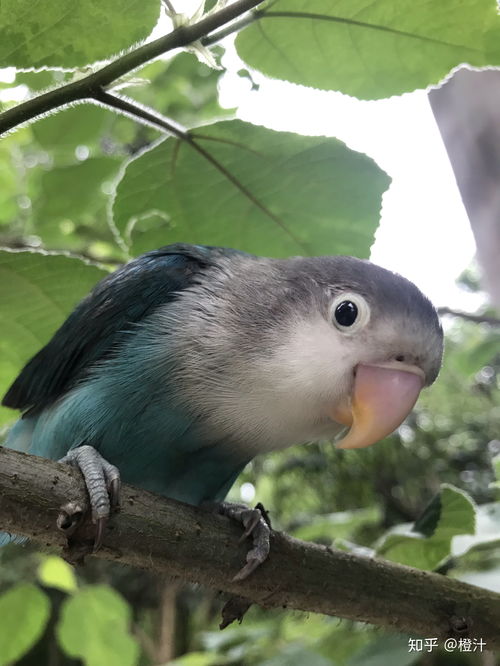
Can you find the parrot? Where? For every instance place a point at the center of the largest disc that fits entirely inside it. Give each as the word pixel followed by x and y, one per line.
pixel 187 362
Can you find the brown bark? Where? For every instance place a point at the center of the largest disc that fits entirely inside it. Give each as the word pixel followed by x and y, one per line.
pixel 165 650
pixel 155 533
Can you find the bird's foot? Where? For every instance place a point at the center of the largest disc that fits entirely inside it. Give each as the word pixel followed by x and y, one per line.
pixel 102 480
pixel 257 526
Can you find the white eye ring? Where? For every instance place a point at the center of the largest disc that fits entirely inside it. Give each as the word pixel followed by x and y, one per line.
pixel 346 306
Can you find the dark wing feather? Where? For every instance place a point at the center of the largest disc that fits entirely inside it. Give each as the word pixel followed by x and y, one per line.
pixel 100 322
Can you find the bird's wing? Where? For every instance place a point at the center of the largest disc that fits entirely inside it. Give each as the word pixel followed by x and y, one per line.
pixel 102 320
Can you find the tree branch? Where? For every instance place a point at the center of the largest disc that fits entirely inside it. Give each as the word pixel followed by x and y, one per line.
pixel 142 113
pixel 478 319
pixel 166 536
pixel 89 86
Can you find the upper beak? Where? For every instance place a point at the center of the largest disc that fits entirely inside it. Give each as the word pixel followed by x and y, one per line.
pixel 383 395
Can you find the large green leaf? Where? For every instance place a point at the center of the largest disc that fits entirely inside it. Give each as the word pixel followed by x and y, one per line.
pixel 262 191
pixel 371 49
pixel 71 33
pixel 68 192
pixel 37 292
pixel 24 613
pixel 94 627
pixel 451 515
pixel 8 183
pixel 38 80
pixel 81 124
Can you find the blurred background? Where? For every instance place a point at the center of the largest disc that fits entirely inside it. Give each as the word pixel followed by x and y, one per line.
pixel 348 499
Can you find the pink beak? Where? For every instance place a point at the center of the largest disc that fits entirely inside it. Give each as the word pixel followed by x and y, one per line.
pixel 382 397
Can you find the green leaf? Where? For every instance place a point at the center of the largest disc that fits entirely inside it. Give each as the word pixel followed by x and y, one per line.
pixel 55 572
pixel 457 516
pixel 458 513
pixel 487 530
pixel 9 185
pixel 196 659
pixel 270 193
pixel 25 611
pixel 37 292
pixel 339 525
pixel 68 192
pixel 414 551
pixel 371 49
pixel 385 651
pixel 71 33
pixel 496 467
pixel 296 655
pixel 93 626
pixel 36 80
pixel 77 125
pixel 182 88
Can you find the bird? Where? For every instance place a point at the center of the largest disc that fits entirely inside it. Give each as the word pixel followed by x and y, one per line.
pixel 190 360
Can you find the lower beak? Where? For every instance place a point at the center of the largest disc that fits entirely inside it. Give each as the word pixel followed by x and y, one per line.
pixel 382 397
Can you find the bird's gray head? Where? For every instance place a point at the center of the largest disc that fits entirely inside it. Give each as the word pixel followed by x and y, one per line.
pixel 288 350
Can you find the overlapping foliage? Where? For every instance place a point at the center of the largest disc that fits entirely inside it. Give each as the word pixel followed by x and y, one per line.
pixel 106 186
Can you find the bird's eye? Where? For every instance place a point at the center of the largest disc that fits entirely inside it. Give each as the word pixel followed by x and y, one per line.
pixel 350 312
pixel 346 313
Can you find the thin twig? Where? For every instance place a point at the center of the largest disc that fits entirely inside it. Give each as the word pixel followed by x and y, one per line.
pixel 236 26
pixel 142 113
pixel 478 319
pixel 88 87
pixel 20 246
pixel 169 6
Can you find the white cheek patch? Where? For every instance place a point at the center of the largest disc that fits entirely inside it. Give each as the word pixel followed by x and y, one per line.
pixel 313 361
pixel 285 397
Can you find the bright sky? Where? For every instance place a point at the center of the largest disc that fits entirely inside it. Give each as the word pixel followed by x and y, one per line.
pixel 424 232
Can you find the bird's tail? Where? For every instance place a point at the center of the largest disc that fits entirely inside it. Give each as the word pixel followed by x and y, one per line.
pixel 6 537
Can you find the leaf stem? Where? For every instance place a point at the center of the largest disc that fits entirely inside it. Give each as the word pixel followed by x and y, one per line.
pixel 236 26
pixel 145 115
pixel 142 113
pixel 91 86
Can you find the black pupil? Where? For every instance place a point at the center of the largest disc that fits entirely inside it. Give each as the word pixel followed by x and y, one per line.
pixel 346 313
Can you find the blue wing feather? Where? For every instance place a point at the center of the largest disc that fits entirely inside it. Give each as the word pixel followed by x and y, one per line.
pixel 92 383
pixel 102 320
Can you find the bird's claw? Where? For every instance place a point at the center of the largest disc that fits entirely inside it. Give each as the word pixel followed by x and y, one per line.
pixel 102 480
pixel 99 533
pixel 114 487
pixel 256 524
pixel 254 560
pixel 70 516
pixel 250 520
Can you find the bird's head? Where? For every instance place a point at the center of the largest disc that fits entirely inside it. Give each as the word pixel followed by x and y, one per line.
pixel 299 348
